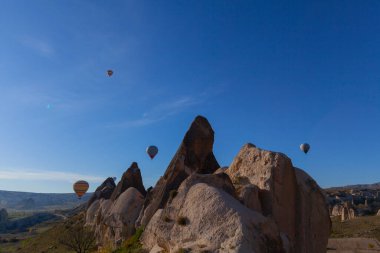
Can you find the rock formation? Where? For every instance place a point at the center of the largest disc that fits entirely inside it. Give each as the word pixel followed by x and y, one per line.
pixel 194 155
pixel 131 178
pixel 205 218
pixel 287 194
pixel 113 210
pixel 261 203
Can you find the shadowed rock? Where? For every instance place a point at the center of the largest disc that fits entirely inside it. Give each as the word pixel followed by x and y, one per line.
pixel 104 191
pixel 130 178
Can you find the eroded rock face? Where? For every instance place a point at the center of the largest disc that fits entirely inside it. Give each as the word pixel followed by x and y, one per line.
pixel 313 219
pixel 193 156
pixel 131 178
pixel 203 217
pixel 286 194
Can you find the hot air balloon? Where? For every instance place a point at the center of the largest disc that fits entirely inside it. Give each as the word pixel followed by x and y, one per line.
pixel 114 178
pixel 109 72
pixel 152 151
pixel 80 187
pixel 305 147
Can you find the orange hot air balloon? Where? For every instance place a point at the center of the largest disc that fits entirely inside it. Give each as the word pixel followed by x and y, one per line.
pixel 109 72
pixel 80 187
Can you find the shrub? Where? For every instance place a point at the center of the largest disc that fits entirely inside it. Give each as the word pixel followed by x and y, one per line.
pixel 132 245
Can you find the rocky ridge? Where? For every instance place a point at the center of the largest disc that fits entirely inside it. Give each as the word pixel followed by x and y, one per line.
pixel 261 203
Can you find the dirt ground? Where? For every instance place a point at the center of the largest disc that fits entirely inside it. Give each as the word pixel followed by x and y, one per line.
pixel 353 245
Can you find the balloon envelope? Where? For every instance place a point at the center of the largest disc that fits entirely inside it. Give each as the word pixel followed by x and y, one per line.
pixel 305 147
pixel 152 151
pixel 80 188
pixel 109 72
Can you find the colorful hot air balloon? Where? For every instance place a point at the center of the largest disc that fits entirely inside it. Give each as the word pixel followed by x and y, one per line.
pixel 80 187
pixel 152 151
pixel 109 72
pixel 305 147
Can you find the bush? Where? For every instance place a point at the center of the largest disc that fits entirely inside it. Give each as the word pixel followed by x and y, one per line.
pixel 181 250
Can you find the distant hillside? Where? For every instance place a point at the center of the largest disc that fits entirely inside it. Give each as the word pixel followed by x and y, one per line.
pixel 12 200
pixel 374 186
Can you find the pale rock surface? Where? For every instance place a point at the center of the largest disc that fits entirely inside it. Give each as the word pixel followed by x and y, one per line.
pixel 216 222
pixel 287 195
pixel 273 173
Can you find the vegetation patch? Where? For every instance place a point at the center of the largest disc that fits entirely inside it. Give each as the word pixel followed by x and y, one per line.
pixel 365 226
pixel 132 245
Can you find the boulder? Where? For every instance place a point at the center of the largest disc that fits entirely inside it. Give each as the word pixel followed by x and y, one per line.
pixel 114 222
pixel 205 218
pixel 274 174
pixel 131 178
pixel 194 155
pixel 286 194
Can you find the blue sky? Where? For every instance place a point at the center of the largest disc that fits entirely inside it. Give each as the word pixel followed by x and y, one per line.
pixel 274 73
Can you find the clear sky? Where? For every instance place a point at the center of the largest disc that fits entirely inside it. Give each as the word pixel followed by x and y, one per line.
pixel 273 73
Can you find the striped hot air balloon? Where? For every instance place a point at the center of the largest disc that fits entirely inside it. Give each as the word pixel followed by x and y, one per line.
pixel 80 188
